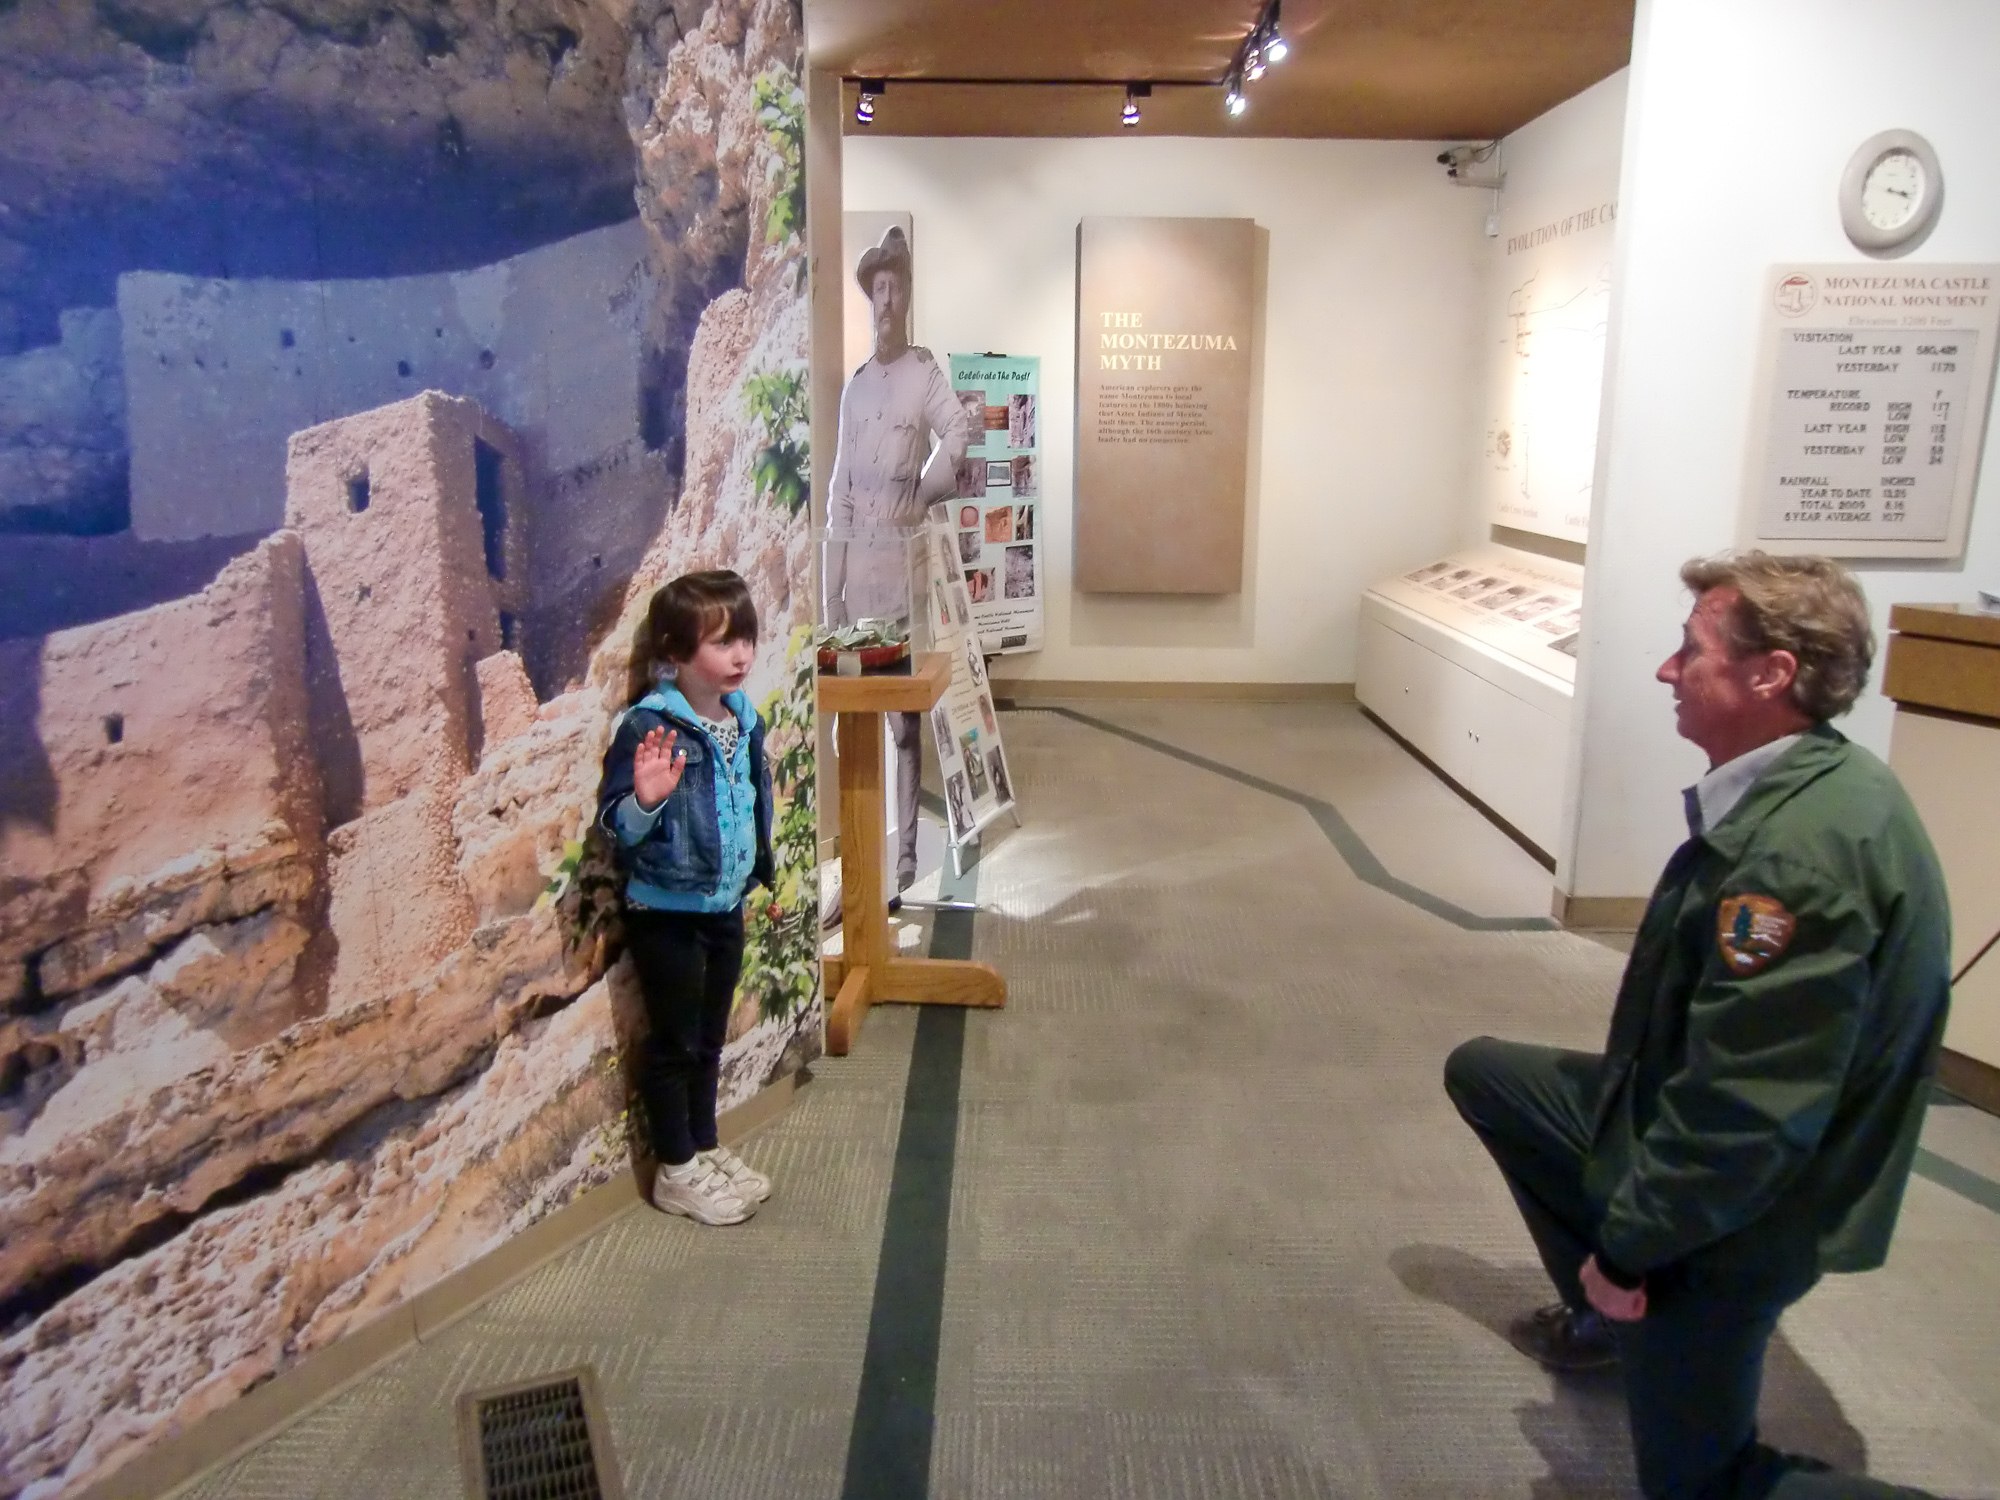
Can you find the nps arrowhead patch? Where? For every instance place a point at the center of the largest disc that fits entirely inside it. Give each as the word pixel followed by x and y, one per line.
pixel 1752 931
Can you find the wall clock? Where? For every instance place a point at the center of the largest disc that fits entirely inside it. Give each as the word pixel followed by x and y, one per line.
pixel 1891 192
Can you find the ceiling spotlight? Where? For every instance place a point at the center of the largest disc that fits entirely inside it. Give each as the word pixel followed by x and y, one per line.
pixel 1255 70
pixel 1234 101
pixel 864 107
pixel 1275 48
pixel 1134 92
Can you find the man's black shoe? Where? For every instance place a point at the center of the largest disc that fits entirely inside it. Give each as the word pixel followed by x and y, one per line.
pixel 1563 1338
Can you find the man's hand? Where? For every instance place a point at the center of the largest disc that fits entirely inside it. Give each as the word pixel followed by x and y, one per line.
pixel 1615 1302
pixel 656 768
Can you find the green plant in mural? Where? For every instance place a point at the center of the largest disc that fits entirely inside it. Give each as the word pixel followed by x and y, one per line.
pixel 781 956
pixel 781 110
pixel 583 887
pixel 783 466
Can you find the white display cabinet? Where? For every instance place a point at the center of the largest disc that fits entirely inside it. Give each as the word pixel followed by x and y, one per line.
pixel 1471 659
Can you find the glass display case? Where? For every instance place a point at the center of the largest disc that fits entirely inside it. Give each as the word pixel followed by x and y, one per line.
pixel 874 593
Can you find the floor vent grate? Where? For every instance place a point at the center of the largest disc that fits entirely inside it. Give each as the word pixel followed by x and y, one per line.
pixel 538 1440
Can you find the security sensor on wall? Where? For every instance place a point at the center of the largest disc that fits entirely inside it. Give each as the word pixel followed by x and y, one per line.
pixel 1473 166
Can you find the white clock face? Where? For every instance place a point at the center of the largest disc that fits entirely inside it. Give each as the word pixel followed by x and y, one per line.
pixel 1893 190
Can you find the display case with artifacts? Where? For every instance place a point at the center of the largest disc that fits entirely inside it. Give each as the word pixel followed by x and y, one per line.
pixel 1471 660
pixel 882 571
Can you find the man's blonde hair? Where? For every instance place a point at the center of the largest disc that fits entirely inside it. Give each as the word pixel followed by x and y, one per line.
pixel 1809 606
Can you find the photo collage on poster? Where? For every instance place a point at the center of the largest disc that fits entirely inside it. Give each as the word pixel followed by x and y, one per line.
pixel 997 516
pixel 1527 606
pixel 964 726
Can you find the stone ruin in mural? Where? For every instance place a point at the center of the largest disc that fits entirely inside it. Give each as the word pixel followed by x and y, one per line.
pixel 301 1006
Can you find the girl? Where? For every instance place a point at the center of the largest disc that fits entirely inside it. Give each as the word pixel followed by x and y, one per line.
pixel 686 801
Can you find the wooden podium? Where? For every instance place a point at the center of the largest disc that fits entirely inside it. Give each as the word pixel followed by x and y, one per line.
pixel 1944 674
pixel 868 971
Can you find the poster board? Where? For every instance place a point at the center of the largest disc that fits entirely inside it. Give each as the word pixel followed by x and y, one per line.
pixel 998 513
pixel 964 727
pixel 1872 390
pixel 1164 344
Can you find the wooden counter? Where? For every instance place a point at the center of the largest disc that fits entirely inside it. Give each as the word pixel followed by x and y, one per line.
pixel 1943 671
pixel 1945 658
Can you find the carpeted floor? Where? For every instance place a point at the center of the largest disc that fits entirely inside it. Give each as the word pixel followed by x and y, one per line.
pixel 1191 1217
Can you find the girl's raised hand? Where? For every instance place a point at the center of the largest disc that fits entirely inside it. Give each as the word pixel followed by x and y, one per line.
pixel 656 768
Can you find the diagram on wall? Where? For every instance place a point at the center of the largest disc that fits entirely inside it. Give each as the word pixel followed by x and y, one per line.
pixel 1546 310
pixel 1547 367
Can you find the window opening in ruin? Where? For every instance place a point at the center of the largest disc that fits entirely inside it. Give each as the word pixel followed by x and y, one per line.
pixel 403 368
pixel 364 593
pixel 357 492
pixel 485 359
pixel 286 338
pixel 114 729
pixel 655 417
pixel 486 461
pixel 509 635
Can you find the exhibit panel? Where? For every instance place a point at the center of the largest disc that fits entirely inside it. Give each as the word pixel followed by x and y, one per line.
pixel 1470 660
pixel 1164 347
pixel 1944 673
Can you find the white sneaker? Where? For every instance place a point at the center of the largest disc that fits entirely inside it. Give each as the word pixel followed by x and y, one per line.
pixel 695 1188
pixel 749 1184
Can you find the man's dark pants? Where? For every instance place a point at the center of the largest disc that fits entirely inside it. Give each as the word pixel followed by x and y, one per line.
pixel 1694 1363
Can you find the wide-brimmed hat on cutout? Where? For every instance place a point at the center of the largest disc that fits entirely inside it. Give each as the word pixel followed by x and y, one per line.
pixel 893 254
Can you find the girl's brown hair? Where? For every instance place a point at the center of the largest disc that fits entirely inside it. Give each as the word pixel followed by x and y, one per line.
pixel 694 608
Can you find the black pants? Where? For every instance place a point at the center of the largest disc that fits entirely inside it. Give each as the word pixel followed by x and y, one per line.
pixel 688 964
pixel 1694 1364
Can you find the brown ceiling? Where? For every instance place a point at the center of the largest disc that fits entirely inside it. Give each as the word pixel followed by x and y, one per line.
pixel 1380 69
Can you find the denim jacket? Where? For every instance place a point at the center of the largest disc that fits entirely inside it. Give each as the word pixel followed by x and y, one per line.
pixel 703 847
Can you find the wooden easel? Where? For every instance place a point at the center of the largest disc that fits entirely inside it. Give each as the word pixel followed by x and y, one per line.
pixel 868 971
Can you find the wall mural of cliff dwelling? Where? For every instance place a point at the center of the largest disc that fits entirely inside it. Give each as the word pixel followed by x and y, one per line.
pixel 363 369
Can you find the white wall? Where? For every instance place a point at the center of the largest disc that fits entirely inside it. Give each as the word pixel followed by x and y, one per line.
pixel 1358 469
pixel 1742 114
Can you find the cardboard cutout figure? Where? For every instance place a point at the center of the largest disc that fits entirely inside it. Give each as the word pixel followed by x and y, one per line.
pixel 902 435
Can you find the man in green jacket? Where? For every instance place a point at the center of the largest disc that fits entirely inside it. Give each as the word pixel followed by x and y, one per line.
pixel 1752 1120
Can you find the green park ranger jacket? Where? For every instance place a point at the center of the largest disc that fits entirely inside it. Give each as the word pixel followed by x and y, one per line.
pixel 1776 1031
